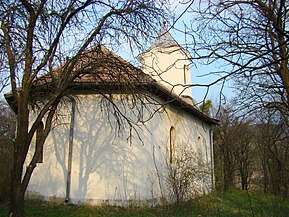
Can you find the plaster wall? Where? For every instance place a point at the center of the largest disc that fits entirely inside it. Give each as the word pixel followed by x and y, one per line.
pixel 169 67
pixel 114 163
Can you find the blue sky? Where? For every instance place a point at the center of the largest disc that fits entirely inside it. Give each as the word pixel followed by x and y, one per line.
pixel 200 73
pixel 197 71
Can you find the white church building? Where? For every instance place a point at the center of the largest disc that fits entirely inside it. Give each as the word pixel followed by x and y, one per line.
pixel 113 145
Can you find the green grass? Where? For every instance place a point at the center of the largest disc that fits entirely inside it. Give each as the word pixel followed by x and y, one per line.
pixel 232 203
pixel 241 203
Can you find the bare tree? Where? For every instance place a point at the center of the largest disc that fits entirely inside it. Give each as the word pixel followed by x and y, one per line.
pixel 224 140
pixel 38 36
pixel 252 152
pixel 244 153
pixel 249 40
pixel 273 148
pixel 234 148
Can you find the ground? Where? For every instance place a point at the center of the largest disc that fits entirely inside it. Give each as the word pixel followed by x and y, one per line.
pixel 232 203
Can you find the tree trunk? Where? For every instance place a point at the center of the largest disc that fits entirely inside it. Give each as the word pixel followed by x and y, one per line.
pixel 17 190
pixel 17 197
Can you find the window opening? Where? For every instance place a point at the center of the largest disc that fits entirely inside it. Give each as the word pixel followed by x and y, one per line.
pixel 172 143
pixel 185 69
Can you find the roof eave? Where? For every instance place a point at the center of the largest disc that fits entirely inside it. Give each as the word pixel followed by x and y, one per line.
pixel 168 96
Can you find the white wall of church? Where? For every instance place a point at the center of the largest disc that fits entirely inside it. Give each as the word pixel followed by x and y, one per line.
pixel 109 165
pixel 170 67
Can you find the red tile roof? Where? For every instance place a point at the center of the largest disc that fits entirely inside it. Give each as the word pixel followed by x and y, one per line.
pixel 100 69
pixel 99 66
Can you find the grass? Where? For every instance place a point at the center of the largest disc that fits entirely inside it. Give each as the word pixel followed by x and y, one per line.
pixel 232 203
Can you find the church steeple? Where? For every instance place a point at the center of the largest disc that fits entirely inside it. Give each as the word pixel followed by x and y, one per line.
pixel 164 39
pixel 168 63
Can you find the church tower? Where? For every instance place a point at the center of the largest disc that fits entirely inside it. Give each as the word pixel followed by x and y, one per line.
pixel 168 63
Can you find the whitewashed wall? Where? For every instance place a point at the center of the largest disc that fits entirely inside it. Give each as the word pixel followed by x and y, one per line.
pixel 110 167
pixel 170 67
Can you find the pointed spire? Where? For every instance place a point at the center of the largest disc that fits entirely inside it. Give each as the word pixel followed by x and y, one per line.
pixel 164 38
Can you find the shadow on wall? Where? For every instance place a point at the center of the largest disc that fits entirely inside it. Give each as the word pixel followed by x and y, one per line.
pixel 109 166
pixel 105 166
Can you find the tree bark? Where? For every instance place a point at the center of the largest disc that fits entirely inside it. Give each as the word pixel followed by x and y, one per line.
pixel 20 153
pixel 17 196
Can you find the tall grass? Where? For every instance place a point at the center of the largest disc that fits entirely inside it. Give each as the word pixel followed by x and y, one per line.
pixel 224 204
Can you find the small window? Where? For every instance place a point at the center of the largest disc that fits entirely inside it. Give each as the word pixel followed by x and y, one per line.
pixel 172 143
pixel 200 147
pixel 185 69
pixel 39 134
pixel 199 141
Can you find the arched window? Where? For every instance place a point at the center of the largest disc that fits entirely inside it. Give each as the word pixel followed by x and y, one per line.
pixel 172 143
pixel 185 69
pixel 201 147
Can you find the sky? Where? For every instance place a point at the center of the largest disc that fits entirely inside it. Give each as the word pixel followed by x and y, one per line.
pixel 197 72
pixel 200 73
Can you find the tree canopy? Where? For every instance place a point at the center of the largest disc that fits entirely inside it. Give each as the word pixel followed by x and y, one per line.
pixel 249 40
